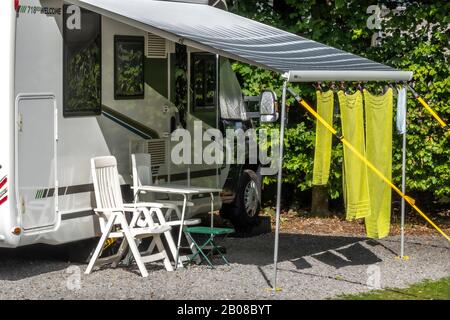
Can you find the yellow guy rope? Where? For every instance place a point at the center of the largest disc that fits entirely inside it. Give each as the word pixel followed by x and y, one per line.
pixel 410 200
pixel 427 106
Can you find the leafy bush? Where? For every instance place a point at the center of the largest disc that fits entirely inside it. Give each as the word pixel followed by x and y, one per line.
pixel 415 39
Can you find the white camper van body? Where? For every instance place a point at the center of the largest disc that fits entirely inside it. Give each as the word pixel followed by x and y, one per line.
pixel 46 187
pixel 8 214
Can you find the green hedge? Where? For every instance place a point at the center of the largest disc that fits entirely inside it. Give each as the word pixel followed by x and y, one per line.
pixel 416 39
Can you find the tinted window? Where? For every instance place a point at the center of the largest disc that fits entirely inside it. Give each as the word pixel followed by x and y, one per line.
pixel 203 82
pixel 82 62
pixel 129 67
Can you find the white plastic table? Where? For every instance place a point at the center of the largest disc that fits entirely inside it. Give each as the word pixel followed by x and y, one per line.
pixel 185 192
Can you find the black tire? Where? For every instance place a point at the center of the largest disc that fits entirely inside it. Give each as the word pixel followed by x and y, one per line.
pixel 81 251
pixel 244 211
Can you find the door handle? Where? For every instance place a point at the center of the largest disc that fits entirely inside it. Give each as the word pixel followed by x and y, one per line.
pixel 20 122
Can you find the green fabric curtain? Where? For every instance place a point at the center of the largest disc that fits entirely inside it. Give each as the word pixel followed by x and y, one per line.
pixel 379 121
pixel 356 186
pixel 322 153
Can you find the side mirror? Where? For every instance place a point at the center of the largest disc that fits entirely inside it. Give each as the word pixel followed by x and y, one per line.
pixel 268 107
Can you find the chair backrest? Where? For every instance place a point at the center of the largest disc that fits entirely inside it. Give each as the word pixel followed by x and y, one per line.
pixel 106 183
pixel 142 171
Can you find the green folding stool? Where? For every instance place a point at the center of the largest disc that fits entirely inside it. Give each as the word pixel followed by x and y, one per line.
pixel 212 232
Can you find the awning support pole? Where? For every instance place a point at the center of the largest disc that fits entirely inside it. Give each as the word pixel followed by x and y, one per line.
pixel 403 213
pixel 279 185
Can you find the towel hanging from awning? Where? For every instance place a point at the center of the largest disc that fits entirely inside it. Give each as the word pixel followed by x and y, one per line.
pixel 356 187
pixel 379 118
pixel 322 152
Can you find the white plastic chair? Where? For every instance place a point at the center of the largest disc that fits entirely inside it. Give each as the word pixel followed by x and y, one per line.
pixel 143 176
pixel 111 212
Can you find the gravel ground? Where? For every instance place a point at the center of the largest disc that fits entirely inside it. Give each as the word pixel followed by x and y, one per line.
pixel 311 267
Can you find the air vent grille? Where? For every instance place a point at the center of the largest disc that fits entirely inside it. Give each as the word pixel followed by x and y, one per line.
pixel 157 149
pixel 156 47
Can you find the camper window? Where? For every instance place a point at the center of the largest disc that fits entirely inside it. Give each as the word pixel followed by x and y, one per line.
pixel 82 62
pixel 129 67
pixel 203 79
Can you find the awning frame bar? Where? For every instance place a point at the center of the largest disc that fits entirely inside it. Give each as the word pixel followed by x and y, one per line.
pixel 314 76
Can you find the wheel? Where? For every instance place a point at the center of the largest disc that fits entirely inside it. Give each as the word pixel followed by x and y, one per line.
pixel 244 211
pixel 81 251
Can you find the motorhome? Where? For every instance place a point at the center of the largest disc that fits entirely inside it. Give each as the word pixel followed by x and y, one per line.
pixel 76 84
pixel 87 78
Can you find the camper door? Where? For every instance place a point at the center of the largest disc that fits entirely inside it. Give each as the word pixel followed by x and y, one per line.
pixel 202 120
pixel 36 132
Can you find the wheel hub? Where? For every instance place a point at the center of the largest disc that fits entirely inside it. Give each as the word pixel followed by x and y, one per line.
pixel 251 199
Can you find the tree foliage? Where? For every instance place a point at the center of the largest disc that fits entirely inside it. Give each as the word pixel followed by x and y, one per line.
pixel 416 38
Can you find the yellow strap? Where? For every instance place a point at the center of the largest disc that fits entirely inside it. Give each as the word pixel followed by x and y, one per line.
pixel 434 114
pixel 408 199
pixel 429 109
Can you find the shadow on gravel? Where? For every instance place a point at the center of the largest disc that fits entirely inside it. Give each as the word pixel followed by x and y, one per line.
pixel 355 255
pixel 20 263
pixel 335 251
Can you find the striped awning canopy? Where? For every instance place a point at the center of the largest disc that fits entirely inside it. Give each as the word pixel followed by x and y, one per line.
pixel 218 31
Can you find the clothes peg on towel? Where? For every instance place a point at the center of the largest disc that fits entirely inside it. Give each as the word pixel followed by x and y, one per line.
pixel 333 86
pixel 360 87
pixel 317 86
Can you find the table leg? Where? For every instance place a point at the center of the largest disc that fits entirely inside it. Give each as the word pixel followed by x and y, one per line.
pixel 183 213
pixel 129 256
pixel 212 211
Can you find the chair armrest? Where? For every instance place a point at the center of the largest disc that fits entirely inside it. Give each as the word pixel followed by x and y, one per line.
pixel 142 204
pixel 101 210
pixel 178 202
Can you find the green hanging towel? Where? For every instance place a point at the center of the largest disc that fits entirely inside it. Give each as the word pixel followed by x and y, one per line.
pixel 322 153
pixel 379 118
pixel 356 187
